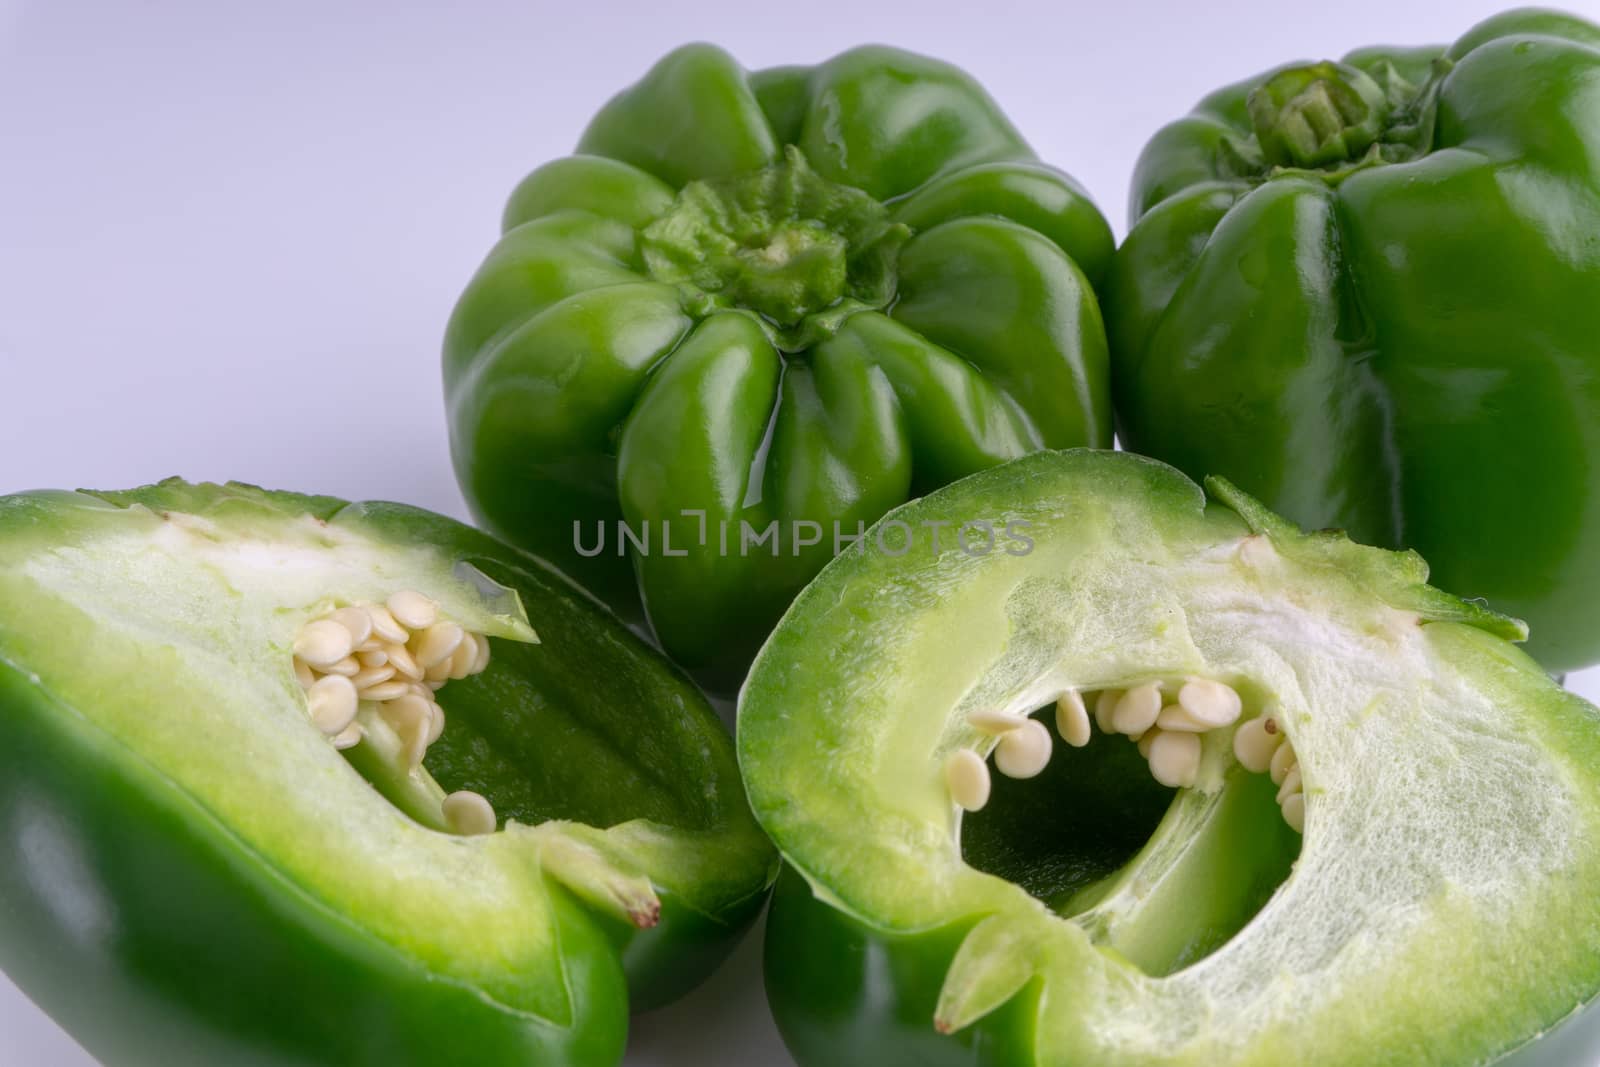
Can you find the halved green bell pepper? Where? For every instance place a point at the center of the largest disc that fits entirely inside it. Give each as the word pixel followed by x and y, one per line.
pixel 191 872
pixel 1439 910
pixel 1369 292
pixel 756 311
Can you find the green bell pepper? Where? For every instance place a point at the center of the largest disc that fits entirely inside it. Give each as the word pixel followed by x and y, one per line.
pixel 1092 900
pixel 756 311
pixel 1369 292
pixel 233 829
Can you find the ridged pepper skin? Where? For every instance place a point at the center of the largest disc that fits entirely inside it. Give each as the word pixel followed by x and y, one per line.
pixel 191 874
pixel 759 309
pixel 1369 292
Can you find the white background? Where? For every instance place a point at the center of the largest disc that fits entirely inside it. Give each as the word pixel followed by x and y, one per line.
pixel 230 233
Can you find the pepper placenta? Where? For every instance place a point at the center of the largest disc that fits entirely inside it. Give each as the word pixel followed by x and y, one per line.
pixel 266 797
pixel 756 311
pixel 1369 292
pixel 1295 805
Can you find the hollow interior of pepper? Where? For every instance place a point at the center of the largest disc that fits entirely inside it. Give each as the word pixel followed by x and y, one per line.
pixel 1162 877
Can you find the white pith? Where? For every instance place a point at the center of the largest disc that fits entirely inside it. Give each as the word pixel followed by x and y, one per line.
pixel 1361 756
pixel 1438 800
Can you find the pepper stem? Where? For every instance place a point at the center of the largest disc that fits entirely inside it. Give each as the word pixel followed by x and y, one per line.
pixel 782 243
pixel 1320 115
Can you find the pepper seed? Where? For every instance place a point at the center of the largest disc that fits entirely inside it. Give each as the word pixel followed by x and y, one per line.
pixel 1212 703
pixel 1283 761
pixel 1105 708
pixel 1072 719
pixel 436 644
pixel 1294 812
pixel 469 814
pixel 412 610
pixel 967 778
pixel 1254 745
pixel 1177 717
pixel 1175 759
pixel 1023 752
pixel 1138 709
pixel 357 621
pixel 332 700
pixel 323 643
pixel 996 722
pixel 384 626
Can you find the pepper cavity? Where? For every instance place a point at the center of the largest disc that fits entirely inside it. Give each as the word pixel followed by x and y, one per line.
pixel 387 661
pixel 1166 721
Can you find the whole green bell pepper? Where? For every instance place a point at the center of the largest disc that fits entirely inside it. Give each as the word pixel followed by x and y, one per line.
pixel 1090 900
pixel 756 311
pixel 1369 292
pixel 208 857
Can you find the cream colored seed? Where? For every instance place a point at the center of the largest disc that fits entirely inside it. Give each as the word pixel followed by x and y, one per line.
pixel 1294 812
pixel 410 716
pixel 412 610
pixel 439 672
pixel 1072 719
pixel 1291 784
pixel 332 701
pixel 384 626
pixel 435 722
pixel 1254 746
pixel 1176 717
pixel 371 676
pixel 1146 739
pixel 1105 708
pixel 465 655
pixel 436 644
pixel 322 643
pixel 469 814
pixel 434 686
pixel 349 738
pixel 394 687
pixel 373 657
pixel 1210 702
pixel 403 662
pixel 349 667
pixel 405 711
pixel 357 621
pixel 1138 709
pixel 1023 752
pixel 967 778
pixel 1175 759
pixel 303 673
pixel 417 747
pixel 1283 761
pixel 481 662
pixel 996 722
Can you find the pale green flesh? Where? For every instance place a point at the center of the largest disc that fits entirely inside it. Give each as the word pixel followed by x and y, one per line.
pixel 171 634
pixel 1442 908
